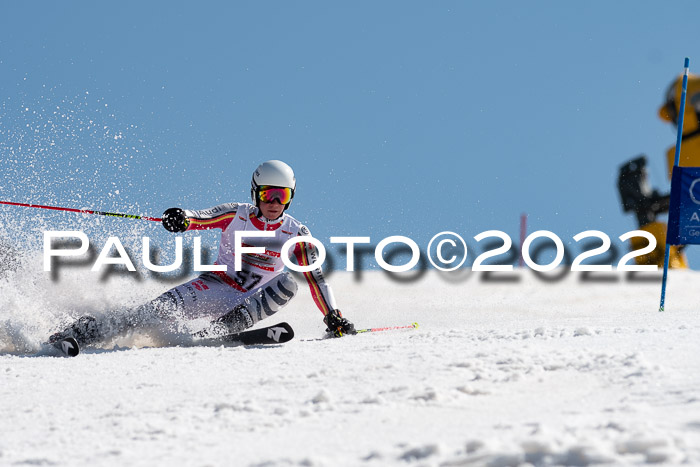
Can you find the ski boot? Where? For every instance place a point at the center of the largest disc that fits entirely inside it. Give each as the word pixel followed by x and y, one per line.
pixel 83 332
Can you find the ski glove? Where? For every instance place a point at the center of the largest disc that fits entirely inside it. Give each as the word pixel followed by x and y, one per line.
pixel 175 220
pixel 337 325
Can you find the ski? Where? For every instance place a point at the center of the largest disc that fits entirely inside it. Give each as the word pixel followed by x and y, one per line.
pixel 276 334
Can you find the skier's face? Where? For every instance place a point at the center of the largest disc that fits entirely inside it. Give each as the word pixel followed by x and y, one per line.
pixel 271 210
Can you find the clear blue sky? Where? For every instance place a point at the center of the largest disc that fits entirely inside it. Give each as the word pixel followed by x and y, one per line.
pixel 400 118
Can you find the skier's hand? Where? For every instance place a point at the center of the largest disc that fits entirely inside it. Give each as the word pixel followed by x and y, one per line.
pixel 175 220
pixel 337 325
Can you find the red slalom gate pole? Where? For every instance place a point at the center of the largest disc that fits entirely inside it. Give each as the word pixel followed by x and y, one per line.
pixel 84 211
pixel 411 326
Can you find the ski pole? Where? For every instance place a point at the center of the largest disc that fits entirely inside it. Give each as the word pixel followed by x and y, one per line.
pixel 84 211
pixel 411 326
pixel 359 331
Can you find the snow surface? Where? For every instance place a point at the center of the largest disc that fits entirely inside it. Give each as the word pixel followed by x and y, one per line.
pixel 499 374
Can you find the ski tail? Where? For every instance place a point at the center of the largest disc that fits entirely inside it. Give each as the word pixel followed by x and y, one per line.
pixel 275 334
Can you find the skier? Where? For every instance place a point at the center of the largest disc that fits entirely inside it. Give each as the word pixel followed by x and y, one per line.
pixel 234 300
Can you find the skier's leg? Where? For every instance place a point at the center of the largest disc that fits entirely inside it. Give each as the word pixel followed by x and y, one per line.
pixel 89 330
pixel 206 295
pixel 256 305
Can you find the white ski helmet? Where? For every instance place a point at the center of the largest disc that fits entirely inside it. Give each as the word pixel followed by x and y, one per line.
pixel 272 173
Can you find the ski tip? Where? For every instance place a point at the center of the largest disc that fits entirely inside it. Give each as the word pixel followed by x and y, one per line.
pixel 415 325
pixel 69 346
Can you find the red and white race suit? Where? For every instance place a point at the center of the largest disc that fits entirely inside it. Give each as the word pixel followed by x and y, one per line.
pixel 258 269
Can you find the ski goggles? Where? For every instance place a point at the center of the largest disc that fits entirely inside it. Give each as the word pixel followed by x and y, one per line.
pixel 268 194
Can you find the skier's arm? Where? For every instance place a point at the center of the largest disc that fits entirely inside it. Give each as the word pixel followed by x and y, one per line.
pixel 320 290
pixel 218 217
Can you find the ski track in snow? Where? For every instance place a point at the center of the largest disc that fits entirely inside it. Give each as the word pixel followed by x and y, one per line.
pixel 498 374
